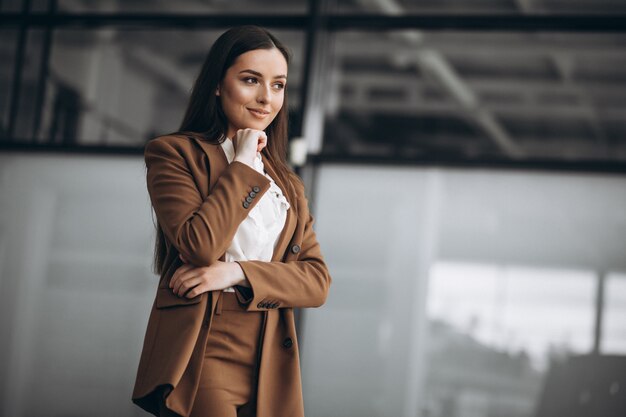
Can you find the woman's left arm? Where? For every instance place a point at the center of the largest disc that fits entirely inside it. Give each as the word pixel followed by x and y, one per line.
pixel 301 283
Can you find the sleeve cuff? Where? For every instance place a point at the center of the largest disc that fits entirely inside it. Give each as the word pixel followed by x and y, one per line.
pixel 244 294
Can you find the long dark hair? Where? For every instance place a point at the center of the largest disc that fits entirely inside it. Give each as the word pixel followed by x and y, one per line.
pixel 204 114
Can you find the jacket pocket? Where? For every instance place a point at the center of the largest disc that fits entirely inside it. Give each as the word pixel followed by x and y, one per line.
pixel 166 298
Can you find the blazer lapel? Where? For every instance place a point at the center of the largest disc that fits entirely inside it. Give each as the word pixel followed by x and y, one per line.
pixel 217 160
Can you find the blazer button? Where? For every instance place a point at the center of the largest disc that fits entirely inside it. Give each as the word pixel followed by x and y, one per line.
pixel 249 199
pixel 288 342
pixel 256 189
pixel 252 194
pixel 295 248
pixel 246 204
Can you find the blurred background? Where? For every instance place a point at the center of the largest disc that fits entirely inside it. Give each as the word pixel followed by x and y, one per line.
pixel 466 165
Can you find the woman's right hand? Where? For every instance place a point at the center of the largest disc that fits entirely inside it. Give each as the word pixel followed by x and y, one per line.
pixel 190 281
pixel 247 142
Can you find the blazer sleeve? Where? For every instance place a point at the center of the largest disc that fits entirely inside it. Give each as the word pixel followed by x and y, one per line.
pixel 299 283
pixel 200 227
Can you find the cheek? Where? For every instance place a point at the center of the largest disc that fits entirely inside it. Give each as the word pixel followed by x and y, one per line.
pixel 236 97
pixel 278 103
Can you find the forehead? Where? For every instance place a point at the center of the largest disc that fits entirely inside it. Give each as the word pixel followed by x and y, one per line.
pixel 269 62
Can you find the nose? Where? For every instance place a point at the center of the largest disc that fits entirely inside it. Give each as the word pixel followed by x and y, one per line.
pixel 264 94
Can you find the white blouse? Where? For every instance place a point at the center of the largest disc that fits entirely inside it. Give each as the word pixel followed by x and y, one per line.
pixel 258 233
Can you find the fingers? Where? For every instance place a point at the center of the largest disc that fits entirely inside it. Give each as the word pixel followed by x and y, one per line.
pixel 187 276
pixel 199 289
pixel 262 141
pixel 180 275
pixel 201 279
pixel 187 281
pixel 188 284
pixel 248 140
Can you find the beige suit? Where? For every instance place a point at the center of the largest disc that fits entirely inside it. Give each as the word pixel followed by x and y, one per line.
pixel 200 200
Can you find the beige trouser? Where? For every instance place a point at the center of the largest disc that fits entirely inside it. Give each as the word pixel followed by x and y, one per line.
pixel 228 380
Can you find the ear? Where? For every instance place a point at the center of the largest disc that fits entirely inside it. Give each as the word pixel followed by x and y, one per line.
pixel 217 91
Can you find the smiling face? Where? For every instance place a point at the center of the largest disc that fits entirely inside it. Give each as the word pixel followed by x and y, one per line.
pixel 253 89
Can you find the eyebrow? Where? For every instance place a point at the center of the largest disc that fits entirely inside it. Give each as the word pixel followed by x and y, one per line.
pixel 258 74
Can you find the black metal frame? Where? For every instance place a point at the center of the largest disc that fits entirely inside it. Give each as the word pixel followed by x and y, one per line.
pixel 338 22
pixel 44 69
pixel 17 68
pixel 536 164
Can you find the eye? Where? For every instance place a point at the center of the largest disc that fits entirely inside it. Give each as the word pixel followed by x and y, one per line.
pixel 250 80
pixel 279 86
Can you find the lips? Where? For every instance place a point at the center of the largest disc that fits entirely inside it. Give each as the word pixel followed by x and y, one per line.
pixel 260 113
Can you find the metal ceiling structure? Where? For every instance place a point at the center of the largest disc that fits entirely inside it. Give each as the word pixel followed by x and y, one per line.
pixel 500 81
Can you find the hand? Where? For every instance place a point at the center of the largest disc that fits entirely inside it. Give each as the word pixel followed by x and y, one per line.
pixel 247 142
pixel 191 281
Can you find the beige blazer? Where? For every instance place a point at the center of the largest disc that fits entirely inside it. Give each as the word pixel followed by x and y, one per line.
pixel 200 200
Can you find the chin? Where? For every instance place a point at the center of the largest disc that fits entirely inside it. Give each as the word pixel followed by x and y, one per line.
pixel 258 126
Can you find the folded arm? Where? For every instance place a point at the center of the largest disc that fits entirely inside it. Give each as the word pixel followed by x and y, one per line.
pixel 297 283
pixel 200 227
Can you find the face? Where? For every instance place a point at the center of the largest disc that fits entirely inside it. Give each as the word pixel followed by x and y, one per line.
pixel 253 89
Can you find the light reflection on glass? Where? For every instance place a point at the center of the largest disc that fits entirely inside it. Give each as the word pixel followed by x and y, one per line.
pixel 494 331
pixel 614 324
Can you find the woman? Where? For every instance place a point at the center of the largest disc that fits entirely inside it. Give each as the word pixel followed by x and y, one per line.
pixel 235 247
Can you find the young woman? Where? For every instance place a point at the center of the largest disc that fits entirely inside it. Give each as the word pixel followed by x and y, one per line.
pixel 235 247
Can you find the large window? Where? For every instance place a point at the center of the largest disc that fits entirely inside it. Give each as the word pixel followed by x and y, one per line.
pixel 530 83
pixel 453 95
pixel 118 87
pixel 114 74
pixel 123 87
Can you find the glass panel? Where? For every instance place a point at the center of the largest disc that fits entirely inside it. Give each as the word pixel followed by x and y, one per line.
pixel 75 311
pixel 8 45
pixel 460 293
pixel 614 325
pixel 125 87
pixel 399 7
pixel 186 6
pixel 413 94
